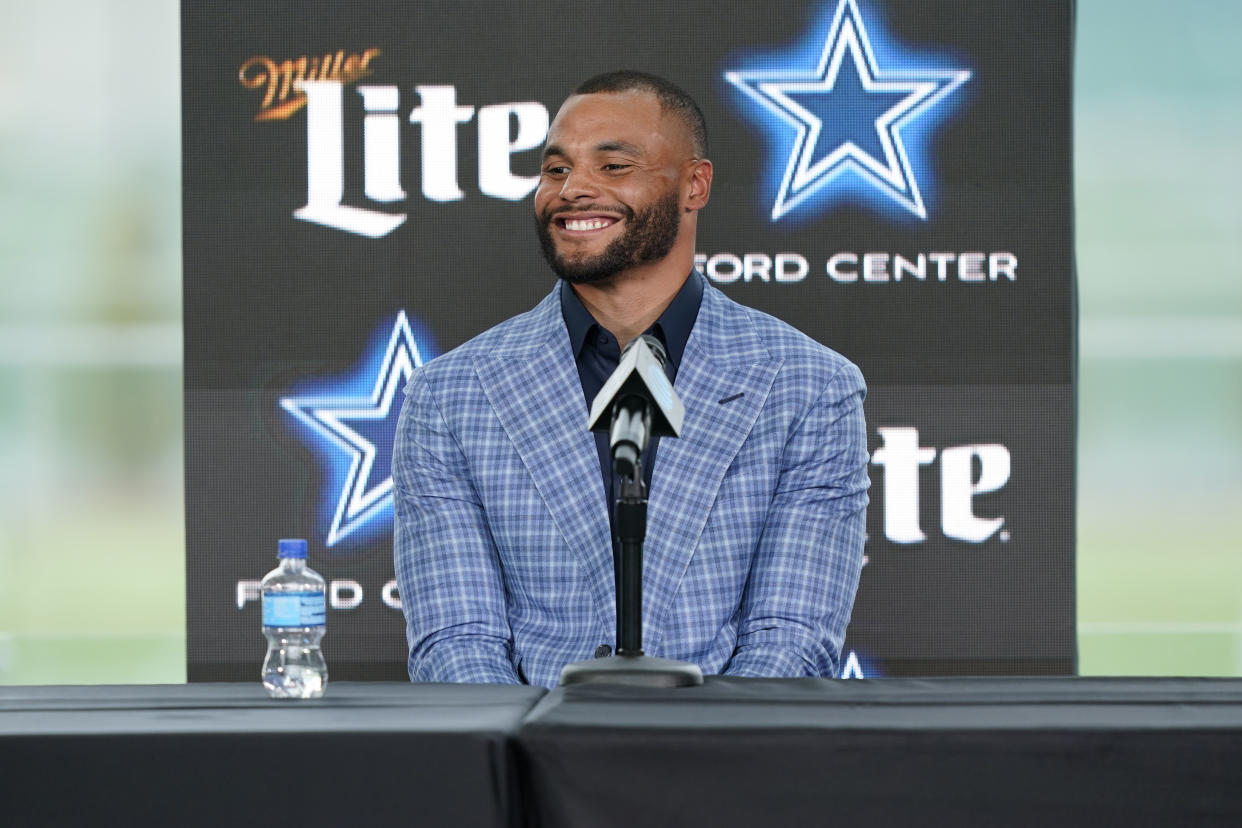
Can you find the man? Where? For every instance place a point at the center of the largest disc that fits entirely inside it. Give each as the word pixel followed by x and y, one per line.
pixel 755 524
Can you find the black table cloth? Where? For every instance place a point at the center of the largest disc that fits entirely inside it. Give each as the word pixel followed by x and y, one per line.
pixel 735 752
pixel 901 752
pixel 226 755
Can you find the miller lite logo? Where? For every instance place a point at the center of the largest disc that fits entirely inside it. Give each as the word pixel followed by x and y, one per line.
pixel 901 457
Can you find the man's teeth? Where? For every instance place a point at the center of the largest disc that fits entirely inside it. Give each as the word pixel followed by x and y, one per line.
pixel 586 224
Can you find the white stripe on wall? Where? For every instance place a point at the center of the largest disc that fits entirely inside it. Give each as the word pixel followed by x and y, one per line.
pixel 1161 337
pixel 148 345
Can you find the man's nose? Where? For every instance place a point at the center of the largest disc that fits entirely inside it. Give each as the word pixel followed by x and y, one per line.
pixel 579 184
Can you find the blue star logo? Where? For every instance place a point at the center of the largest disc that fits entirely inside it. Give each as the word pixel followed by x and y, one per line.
pixel 351 423
pixel 849 125
pixel 856 665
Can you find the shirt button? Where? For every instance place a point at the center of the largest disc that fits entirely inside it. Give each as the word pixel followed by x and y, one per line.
pixel 603 651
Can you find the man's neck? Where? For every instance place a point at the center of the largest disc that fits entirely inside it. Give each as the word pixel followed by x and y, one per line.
pixel 631 302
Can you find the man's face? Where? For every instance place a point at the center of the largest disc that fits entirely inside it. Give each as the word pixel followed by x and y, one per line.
pixel 609 193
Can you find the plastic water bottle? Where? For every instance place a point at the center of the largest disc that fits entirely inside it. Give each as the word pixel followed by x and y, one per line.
pixel 294 618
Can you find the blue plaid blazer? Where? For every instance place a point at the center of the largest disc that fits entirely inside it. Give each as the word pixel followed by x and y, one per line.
pixel 755 515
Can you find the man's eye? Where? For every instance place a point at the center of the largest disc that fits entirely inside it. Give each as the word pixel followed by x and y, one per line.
pixel 554 171
pixel 616 167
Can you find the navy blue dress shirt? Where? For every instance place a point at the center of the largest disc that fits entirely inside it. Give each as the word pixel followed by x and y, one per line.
pixel 597 353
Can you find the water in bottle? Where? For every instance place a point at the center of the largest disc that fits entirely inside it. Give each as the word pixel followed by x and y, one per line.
pixel 294 617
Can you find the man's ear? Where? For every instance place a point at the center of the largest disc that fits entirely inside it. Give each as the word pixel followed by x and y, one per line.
pixel 698 185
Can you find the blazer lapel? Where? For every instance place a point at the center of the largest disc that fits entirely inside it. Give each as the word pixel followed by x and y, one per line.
pixel 537 395
pixel 723 381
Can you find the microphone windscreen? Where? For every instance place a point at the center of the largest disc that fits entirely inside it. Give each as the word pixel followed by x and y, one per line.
pixel 657 348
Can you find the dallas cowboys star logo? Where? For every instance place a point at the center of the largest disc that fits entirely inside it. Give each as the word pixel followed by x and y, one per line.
pixel 353 433
pixel 850 115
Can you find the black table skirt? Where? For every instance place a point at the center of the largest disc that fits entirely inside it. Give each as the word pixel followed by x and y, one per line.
pixel 755 752
pixel 226 755
pixel 937 752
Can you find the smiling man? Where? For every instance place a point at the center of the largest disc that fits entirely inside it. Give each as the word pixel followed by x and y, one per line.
pixel 503 544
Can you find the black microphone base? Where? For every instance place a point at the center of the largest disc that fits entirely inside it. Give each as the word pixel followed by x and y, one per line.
pixel 632 671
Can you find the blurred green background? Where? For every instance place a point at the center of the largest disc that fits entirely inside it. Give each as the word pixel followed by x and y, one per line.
pixel 92 576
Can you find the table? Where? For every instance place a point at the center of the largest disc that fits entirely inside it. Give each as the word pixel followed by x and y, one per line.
pixel 224 755
pixel 735 752
pixel 901 752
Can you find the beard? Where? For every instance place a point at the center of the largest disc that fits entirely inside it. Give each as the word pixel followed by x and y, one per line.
pixel 649 236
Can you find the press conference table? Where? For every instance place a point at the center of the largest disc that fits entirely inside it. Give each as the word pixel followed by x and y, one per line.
pixel 762 752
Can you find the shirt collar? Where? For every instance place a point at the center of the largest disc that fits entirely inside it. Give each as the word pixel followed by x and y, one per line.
pixel 578 320
pixel 673 327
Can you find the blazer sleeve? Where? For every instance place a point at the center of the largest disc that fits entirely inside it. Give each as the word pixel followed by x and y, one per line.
pixel 800 590
pixel 447 566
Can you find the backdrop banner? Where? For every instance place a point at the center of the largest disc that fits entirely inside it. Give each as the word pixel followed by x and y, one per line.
pixel 893 177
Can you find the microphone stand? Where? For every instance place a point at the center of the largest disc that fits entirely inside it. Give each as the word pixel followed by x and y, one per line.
pixel 630 666
pixel 631 532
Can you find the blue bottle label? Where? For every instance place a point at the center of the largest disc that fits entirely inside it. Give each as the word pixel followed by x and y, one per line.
pixel 296 609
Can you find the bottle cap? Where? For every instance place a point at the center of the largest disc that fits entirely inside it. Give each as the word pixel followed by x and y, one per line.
pixel 291 548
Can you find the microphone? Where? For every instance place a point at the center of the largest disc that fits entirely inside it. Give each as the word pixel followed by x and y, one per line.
pixel 636 403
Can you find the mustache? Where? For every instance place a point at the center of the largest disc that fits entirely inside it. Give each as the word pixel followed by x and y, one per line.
pixel 548 216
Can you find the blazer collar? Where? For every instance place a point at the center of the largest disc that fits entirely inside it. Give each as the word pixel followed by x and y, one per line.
pixel 531 380
pixel 723 383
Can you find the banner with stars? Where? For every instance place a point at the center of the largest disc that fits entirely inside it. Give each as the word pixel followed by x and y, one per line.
pixel 893 177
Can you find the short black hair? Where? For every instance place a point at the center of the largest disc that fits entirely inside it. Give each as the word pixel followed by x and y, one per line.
pixel 672 99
